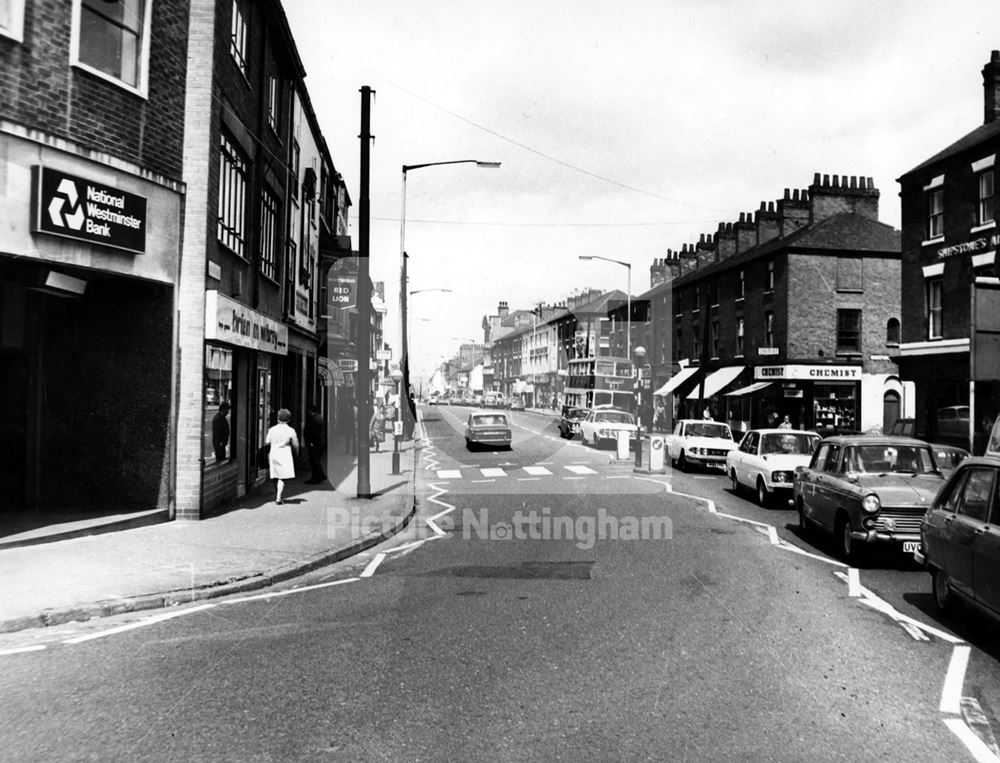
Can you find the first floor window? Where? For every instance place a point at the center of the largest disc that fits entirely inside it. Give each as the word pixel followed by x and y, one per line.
pixel 268 230
pixel 218 403
pixel 934 309
pixel 935 213
pixel 848 331
pixel 739 336
pixel 892 331
pixel 12 19
pixel 232 196
pixel 715 339
pixel 238 36
pixel 985 197
pixel 113 39
pixel 769 329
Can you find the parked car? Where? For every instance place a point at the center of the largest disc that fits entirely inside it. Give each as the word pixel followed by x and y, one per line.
pixel 960 534
pixel 699 442
pixel 487 428
pixel 515 404
pixel 602 425
pixel 948 457
pixel 867 489
pixel 766 459
pixel 491 400
pixel 569 421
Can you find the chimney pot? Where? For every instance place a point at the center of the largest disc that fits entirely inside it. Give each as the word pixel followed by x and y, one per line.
pixel 816 178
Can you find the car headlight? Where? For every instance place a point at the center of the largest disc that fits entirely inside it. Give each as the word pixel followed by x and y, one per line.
pixel 783 477
pixel 871 503
pixel 602 432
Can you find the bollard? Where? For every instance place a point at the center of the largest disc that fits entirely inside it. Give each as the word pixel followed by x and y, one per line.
pixel 638 446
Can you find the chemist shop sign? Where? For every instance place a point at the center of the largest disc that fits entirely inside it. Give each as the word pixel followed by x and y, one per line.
pixel 808 373
pixel 86 210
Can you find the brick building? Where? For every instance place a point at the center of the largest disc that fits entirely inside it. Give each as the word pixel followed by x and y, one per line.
pixel 262 197
pixel 949 349
pixel 792 310
pixel 90 205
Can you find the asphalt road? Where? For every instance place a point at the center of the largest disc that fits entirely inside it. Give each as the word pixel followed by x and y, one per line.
pixel 549 604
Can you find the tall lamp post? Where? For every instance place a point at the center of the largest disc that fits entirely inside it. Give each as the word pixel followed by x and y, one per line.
pixel 402 266
pixel 628 297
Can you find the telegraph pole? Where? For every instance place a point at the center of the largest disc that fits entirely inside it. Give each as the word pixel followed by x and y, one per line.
pixel 363 385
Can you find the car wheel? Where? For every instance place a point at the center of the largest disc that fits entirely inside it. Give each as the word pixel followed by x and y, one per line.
pixel 736 482
pixel 682 463
pixel 845 543
pixel 942 590
pixel 762 494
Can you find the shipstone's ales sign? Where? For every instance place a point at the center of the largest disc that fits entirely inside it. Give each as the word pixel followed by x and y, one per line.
pixel 85 210
pixel 970 247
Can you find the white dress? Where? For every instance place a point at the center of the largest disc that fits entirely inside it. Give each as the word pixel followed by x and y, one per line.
pixel 283 443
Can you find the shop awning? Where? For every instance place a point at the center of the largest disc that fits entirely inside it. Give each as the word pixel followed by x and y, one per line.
pixel 677 380
pixel 748 389
pixel 717 381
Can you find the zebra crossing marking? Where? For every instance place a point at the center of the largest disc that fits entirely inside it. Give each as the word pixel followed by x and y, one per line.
pixel 578 469
pixel 537 471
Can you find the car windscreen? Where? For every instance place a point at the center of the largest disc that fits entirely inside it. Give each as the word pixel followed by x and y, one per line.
pixel 576 414
pixel 705 429
pixel 796 444
pixel 885 459
pixel 493 420
pixel 613 417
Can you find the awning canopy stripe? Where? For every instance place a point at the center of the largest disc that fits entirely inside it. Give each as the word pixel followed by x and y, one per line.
pixel 677 380
pixel 717 381
pixel 748 389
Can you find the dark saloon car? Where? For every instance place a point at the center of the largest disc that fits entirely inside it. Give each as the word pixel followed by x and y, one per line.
pixel 866 489
pixel 960 534
pixel 487 428
pixel 948 457
pixel 569 422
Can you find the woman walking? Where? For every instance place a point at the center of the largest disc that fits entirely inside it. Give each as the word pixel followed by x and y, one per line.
pixel 376 428
pixel 284 447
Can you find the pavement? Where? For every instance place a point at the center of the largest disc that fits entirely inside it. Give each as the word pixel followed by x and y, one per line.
pixel 76 570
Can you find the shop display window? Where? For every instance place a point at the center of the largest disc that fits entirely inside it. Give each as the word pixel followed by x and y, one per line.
pixel 217 432
pixel 835 408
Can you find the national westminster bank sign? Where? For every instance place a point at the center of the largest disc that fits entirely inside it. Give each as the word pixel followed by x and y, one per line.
pixel 85 210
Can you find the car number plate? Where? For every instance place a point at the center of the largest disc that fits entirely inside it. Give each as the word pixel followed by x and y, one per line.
pixel 911 546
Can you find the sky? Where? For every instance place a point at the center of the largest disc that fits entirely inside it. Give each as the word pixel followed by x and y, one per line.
pixel 623 129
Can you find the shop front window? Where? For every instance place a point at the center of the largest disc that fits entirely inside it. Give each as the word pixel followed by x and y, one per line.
pixel 835 408
pixel 217 405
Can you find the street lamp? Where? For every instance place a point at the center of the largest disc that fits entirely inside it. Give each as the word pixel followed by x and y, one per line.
pixel 628 296
pixel 402 257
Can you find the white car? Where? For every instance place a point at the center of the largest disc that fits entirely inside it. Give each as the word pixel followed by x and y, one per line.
pixel 602 425
pixel 766 459
pixel 699 442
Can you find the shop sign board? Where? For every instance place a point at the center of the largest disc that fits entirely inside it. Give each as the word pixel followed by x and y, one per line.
pixel 808 373
pixel 232 322
pixel 342 291
pixel 348 365
pixel 86 210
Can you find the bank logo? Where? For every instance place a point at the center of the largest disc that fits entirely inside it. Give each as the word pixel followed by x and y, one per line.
pixel 74 217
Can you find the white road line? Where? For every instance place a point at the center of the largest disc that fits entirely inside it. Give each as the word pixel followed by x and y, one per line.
pixel 789 547
pixel 618 476
pixel 545 463
pixel 489 480
pixel 289 592
pixel 974 744
pixel 853 582
pixel 528 479
pixel 493 471
pixel 537 471
pixel 373 565
pixel 449 474
pixel 142 624
pixel 573 478
pixel 951 694
pixel 576 469
pixel 22 650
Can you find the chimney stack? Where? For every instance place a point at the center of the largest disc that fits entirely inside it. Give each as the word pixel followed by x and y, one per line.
pixel 768 223
pixel 725 241
pixel 503 310
pixel 856 195
pixel 991 87
pixel 793 211
pixel 746 233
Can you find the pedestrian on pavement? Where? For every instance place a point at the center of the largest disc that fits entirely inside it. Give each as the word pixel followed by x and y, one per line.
pixel 315 436
pixel 220 432
pixel 376 428
pixel 284 447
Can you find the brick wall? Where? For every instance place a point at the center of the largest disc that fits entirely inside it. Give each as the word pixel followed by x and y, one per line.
pixel 41 90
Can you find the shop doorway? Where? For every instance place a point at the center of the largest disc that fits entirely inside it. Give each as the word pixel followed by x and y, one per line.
pixel 890 410
pixel 14 443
